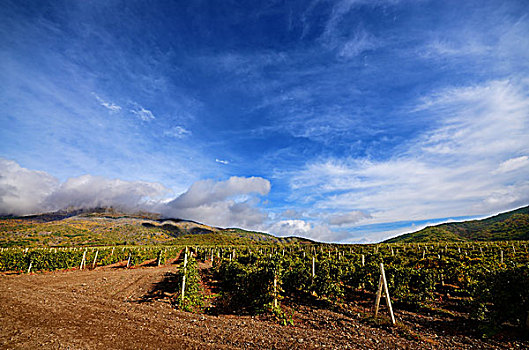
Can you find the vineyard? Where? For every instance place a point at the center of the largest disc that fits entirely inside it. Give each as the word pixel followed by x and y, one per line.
pixel 489 281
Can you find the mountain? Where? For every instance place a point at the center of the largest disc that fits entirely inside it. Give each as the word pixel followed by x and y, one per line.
pixel 509 226
pixel 107 226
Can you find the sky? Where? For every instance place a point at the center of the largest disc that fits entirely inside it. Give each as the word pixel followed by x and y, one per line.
pixel 345 121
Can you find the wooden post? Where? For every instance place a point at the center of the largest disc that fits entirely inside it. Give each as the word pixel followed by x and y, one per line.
pixel 313 267
pixel 159 258
pixel 29 268
pixel 379 294
pixel 83 261
pixel 95 260
pixel 275 291
pixel 184 276
pixel 183 285
pixel 386 291
pixel 112 252
pixel 363 260
pixel 501 256
pixel 128 261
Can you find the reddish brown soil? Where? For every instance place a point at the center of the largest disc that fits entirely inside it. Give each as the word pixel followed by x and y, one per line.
pixel 117 308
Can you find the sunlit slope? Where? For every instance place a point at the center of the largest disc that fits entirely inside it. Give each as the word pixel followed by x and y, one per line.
pixel 108 227
pixel 512 225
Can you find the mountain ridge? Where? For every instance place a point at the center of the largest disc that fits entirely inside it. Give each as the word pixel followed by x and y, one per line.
pixel 507 226
pixel 108 226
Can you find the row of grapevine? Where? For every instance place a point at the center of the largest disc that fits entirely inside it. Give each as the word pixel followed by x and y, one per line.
pixel 47 259
pixel 252 279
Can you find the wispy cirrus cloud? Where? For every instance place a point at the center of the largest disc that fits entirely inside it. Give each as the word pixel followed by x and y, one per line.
pixel 512 164
pixel 142 113
pixel 464 165
pixel 178 132
pixel 108 105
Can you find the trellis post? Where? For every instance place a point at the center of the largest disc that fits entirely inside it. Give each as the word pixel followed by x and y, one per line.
pixel 382 283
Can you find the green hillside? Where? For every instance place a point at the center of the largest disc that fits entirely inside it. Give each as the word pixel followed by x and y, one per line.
pixel 105 226
pixel 509 226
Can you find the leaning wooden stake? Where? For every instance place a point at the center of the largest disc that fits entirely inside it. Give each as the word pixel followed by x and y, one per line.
pixel 83 261
pixel 383 283
pixel 128 261
pixel 379 294
pixel 95 260
pixel 184 277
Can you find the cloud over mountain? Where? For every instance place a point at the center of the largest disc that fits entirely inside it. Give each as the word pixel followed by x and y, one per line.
pixel 222 203
pixel 24 191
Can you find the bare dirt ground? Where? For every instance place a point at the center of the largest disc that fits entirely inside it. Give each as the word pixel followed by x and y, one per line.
pixel 118 308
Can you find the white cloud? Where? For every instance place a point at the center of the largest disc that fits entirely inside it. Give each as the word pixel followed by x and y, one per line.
pixel 208 191
pixel 290 228
pixel 349 218
pixel 439 48
pixel 360 42
pixel 143 114
pixel 302 228
pixel 512 164
pixel 24 191
pixel 178 132
pixel 225 213
pixel 225 162
pixel 108 105
pixel 89 191
pixel 450 170
pixel 225 203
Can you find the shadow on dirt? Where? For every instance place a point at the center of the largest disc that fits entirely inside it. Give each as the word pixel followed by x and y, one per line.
pixel 165 289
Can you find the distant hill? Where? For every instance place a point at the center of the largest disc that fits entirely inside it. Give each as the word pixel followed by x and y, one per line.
pixel 509 226
pixel 106 226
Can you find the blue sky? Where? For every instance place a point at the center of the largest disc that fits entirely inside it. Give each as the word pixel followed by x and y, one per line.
pixel 343 121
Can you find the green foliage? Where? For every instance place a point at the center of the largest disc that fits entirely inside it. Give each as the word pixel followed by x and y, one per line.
pixel 502 297
pixel 327 281
pixel 48 259
pixel 193 300
pixel 248 287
